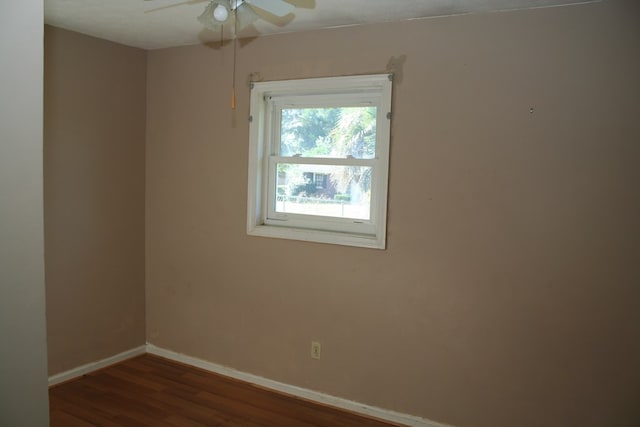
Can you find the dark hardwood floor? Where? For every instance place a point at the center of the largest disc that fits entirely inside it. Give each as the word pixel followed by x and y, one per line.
pixel 152 391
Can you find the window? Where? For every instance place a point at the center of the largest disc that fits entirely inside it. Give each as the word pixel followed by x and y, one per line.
pixel 321 180
pixel 319 159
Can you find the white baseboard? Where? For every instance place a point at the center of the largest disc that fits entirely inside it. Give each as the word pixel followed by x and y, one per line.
pixel 94 366
pixel 325 399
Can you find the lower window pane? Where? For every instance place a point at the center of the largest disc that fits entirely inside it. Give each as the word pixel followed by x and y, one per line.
pixel 324 190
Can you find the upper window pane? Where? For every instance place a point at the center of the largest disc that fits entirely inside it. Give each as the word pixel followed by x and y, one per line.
pixel 340 132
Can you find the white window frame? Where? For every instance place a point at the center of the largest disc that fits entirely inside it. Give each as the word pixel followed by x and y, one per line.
pixel 267 101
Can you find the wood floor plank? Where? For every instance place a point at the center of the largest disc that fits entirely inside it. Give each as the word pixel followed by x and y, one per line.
pixel 180 421
pixel 63 418
pixel 185 407
pixel 298 409
pixel 141 380
pixel 149 391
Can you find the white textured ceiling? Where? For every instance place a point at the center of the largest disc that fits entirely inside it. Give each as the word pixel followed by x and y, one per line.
pixel 134 23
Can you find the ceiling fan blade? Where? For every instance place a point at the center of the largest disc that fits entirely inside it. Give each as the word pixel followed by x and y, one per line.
pixel 275 7
pixel 169 6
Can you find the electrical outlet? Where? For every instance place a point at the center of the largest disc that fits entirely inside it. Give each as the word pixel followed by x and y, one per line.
pixel 315 350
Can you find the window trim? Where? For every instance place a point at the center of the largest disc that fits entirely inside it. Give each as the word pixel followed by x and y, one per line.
pixel 261 132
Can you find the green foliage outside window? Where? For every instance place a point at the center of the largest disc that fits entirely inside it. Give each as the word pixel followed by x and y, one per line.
pixel 331 132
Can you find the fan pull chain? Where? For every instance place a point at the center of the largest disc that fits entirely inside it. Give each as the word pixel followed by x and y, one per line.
pixel 235 45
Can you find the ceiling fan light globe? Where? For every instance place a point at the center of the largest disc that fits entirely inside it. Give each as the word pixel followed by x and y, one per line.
pixel 220 13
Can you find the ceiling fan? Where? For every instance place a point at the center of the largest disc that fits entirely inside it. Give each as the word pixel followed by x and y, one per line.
pixel 239 13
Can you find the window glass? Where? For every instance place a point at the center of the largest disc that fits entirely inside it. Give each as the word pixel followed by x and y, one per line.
pixel 329 132
pixel 324 190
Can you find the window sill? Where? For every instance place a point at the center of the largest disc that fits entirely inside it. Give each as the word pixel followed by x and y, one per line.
pixel 318 236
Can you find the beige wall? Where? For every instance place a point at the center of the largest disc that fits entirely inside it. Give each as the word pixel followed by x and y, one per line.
pixel 94 197
pixel 508 293
pixel 23 346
